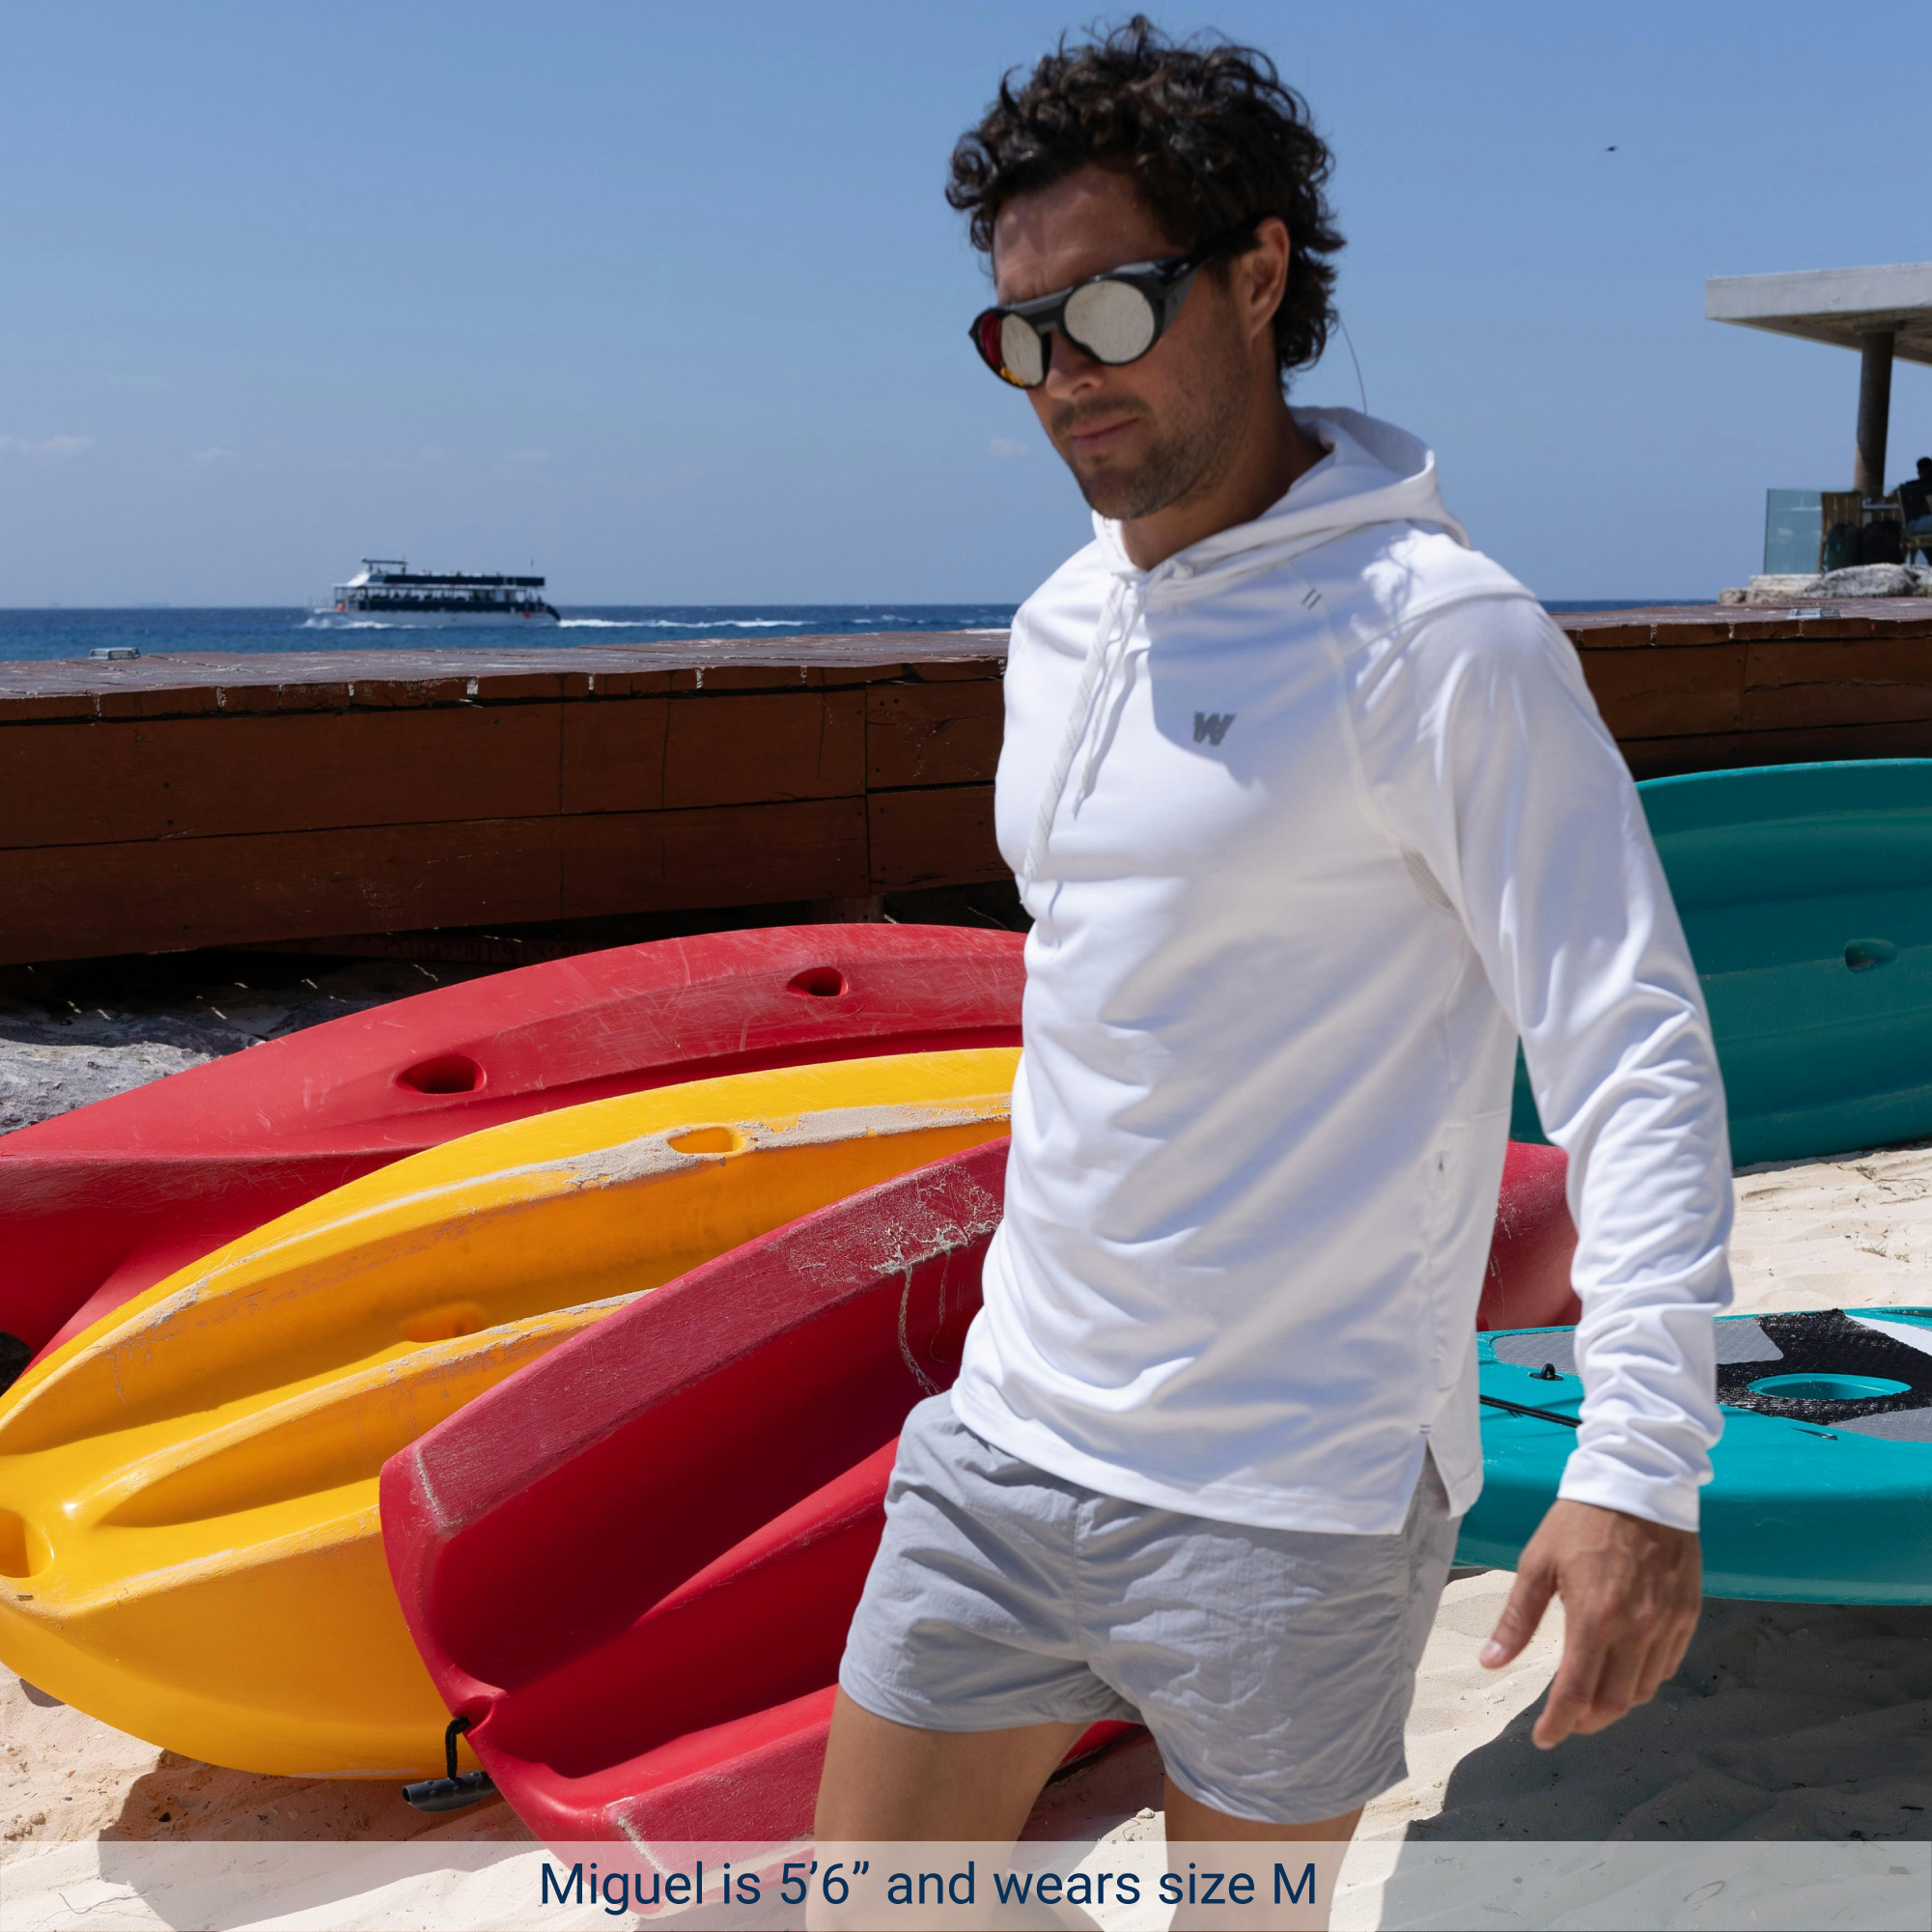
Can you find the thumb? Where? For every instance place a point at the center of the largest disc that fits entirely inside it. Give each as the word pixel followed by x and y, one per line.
pixel 1536 1586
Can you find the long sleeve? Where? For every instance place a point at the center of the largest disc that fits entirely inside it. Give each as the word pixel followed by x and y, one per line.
pixel 1485 756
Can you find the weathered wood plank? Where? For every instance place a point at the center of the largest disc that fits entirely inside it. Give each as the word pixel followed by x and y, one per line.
pixel 74 902
pixel 1668 627
pixel 728 750
pixel 613 755
pixel 1668 694
pixel 956 670
pixel 171 778
pixel 721 855
pixel 941 734
pixel 84 901
pixel 1811 744
pixel 1795 684
pixel 941 837
pixel 241 700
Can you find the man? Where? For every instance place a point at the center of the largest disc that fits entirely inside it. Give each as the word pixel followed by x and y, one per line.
pixel 1314 816
pixel 1915 505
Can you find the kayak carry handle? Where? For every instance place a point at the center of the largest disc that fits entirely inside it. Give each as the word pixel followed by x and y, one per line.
pixel 453 1791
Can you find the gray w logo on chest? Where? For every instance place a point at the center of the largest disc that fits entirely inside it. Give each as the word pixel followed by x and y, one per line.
pixel 1212 726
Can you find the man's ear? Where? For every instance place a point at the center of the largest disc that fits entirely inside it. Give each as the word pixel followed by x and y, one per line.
pixel 1266 268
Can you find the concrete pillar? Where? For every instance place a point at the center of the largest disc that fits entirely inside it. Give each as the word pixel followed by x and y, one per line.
pixel 1874 412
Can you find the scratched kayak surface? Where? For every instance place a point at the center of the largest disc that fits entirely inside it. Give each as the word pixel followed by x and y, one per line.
pixel 103 1202
pixel 190 1547
pixel 748 1414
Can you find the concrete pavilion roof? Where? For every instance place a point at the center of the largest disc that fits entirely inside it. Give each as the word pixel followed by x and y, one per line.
pixel 1834 305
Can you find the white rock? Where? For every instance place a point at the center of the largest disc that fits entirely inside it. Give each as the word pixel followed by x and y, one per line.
pixel 1781 589
pixel 1875 581
pixel 1855 581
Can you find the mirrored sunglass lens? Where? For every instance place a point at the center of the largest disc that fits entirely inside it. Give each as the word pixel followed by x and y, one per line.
pixel 1021 353
pixel 1113 321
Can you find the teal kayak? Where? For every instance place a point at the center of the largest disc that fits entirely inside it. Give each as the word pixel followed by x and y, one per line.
pixel 1822 1491
pixel 1803 892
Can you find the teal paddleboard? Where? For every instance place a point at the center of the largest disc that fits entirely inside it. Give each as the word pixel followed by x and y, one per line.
pixel 1806 892
pixel 1822 1491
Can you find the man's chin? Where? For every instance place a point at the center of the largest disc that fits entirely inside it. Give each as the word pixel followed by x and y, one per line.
pixel 1121 496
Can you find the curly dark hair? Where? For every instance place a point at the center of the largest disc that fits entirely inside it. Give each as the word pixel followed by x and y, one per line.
pixel 1208 133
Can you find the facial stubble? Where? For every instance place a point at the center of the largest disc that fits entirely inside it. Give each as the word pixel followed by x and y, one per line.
pixel 1185 459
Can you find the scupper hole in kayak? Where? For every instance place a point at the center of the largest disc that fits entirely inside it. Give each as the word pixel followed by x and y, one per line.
pixel 821 982
pixel 707 1140
pixel 446 1074
pixel 443 1324
pixel 1816 1388
pixel 1863 955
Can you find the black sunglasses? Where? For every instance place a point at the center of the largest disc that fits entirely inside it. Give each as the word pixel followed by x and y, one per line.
pixel 1115 318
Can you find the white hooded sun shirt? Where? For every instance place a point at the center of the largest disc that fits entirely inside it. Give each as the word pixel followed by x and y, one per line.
pixel 1314 820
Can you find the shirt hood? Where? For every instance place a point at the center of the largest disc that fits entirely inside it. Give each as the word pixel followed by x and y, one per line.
pixel 1373 473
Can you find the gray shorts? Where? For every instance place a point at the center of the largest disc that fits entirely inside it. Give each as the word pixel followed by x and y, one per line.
pixel 1274 1668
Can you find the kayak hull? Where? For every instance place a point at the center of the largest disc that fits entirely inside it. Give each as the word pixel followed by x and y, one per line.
pixel 196 1552
pixel 1802 889
pixel 99 1204
pixel 749 1415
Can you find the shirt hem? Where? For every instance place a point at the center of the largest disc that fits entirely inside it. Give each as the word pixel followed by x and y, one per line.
pixel 1281 1508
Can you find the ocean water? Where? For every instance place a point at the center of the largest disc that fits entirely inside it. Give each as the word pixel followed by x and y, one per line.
pixel 157 631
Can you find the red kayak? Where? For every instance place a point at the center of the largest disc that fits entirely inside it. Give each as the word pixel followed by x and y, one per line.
pixel 101 1203
pixel 682 1514
pixel 632 1565
pixel 1528 1285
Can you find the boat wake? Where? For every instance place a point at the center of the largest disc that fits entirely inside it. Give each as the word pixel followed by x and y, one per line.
pixel 673 624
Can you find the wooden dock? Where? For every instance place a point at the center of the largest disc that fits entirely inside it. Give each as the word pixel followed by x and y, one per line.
pixel 203 801
pixel 1710 688
pixel 194 800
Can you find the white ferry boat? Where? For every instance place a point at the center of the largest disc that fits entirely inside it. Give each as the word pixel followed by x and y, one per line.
pixel 386 590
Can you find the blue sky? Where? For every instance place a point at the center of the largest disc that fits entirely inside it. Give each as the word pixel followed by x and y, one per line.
pixel 666 299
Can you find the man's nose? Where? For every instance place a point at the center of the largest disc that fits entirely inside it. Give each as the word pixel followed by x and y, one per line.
pixel 1069 367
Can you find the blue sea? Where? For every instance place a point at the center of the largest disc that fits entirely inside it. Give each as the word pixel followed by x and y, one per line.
pixel 157 631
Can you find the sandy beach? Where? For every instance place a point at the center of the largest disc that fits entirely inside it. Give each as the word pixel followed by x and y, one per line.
pixel 1788 1721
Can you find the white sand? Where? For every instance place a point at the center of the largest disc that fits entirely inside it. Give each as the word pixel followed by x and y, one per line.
pixel 1850 1233
pixel 1787 1721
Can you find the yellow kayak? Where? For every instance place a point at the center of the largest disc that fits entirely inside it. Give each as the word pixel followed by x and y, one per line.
pixel 188 1539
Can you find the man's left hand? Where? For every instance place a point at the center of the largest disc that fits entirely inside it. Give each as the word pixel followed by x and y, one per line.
pixel 1631 1592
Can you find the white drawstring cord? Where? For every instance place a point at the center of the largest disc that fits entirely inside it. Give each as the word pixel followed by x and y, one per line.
pixel 1098 653
pixel 1114 664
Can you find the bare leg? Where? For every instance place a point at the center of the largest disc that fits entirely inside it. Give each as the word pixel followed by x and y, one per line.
pixel 893 1781
pixel 1190 1822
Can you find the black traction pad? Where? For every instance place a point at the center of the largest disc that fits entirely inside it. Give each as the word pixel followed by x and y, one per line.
pixel 15 1356
pixel 1826 1341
